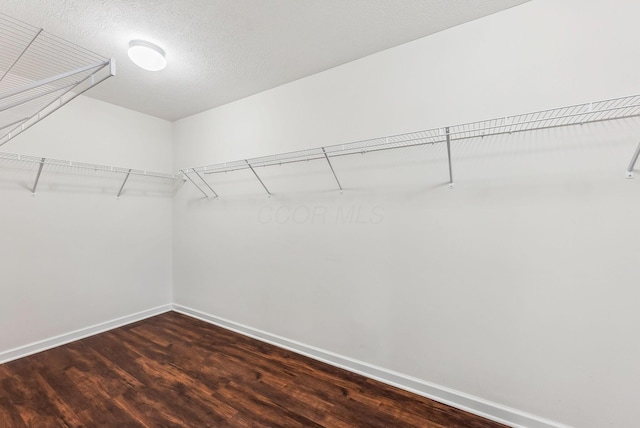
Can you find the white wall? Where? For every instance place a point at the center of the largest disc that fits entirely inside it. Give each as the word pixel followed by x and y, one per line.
pixel 517 287
pixel 74 255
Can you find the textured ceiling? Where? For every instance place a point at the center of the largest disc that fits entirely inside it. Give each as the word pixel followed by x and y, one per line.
pixel 219 51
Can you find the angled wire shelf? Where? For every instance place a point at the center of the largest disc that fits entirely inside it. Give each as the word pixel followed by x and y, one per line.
pixel 44 165
pixel 612 109
pixel 39 73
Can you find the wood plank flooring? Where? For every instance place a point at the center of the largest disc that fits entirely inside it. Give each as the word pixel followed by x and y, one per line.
pixel 175 371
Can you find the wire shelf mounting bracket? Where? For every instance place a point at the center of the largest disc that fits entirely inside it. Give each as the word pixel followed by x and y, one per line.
pixel 332 170
pixel 185 173
pixel 449 156
pixel 257 176
pixel 126 178
pixel 35 184
pixel 632 164
pixel 206 183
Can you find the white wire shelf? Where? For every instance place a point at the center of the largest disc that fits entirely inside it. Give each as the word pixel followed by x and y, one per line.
pixel 579 114
pixel 39 73
pixel 44 165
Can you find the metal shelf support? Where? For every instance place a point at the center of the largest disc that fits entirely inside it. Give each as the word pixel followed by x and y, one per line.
pixel 126 177
pixel 205 183
pixel 257 176
pixel 184 172
pixel 35 185
pixel 632 164
pixel 449 156
pixel 332 170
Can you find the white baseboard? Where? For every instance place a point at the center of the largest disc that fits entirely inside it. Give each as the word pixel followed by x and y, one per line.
pixel 43 345
pixel 457 399
pixel 487 409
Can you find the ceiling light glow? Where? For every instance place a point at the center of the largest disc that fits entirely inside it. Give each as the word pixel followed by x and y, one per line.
pixel 147 55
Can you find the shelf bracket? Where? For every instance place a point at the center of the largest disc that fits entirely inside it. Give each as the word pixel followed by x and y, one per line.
pixel 632 164
pixel 331 166
pixel 124 182
pixel 256 174
pixel 449 156
pixel 184 172
pixel 205 182
pixel 35 185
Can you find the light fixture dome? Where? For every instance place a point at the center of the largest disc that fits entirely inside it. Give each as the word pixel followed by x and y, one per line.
pixel 146 55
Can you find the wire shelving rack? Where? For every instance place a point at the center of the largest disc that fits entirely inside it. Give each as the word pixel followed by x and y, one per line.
pixel 578 114
pixel 43 165
pixel 39 73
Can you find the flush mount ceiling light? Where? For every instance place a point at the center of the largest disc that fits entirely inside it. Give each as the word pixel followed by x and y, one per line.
pixel 147 55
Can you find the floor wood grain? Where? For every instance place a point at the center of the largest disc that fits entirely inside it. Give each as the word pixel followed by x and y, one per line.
pixel 175 371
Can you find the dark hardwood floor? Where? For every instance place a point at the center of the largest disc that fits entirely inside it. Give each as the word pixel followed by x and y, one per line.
pixel 172 370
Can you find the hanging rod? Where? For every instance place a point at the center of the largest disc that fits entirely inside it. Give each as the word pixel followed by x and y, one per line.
pixel 40 73
pixel 578 114
pixel 82 168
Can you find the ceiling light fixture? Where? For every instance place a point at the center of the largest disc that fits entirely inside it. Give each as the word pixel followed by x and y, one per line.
pixel 147 55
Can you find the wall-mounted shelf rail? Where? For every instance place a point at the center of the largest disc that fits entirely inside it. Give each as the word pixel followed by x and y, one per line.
pixel 39 73
pixel 579 114
pixel 44 165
